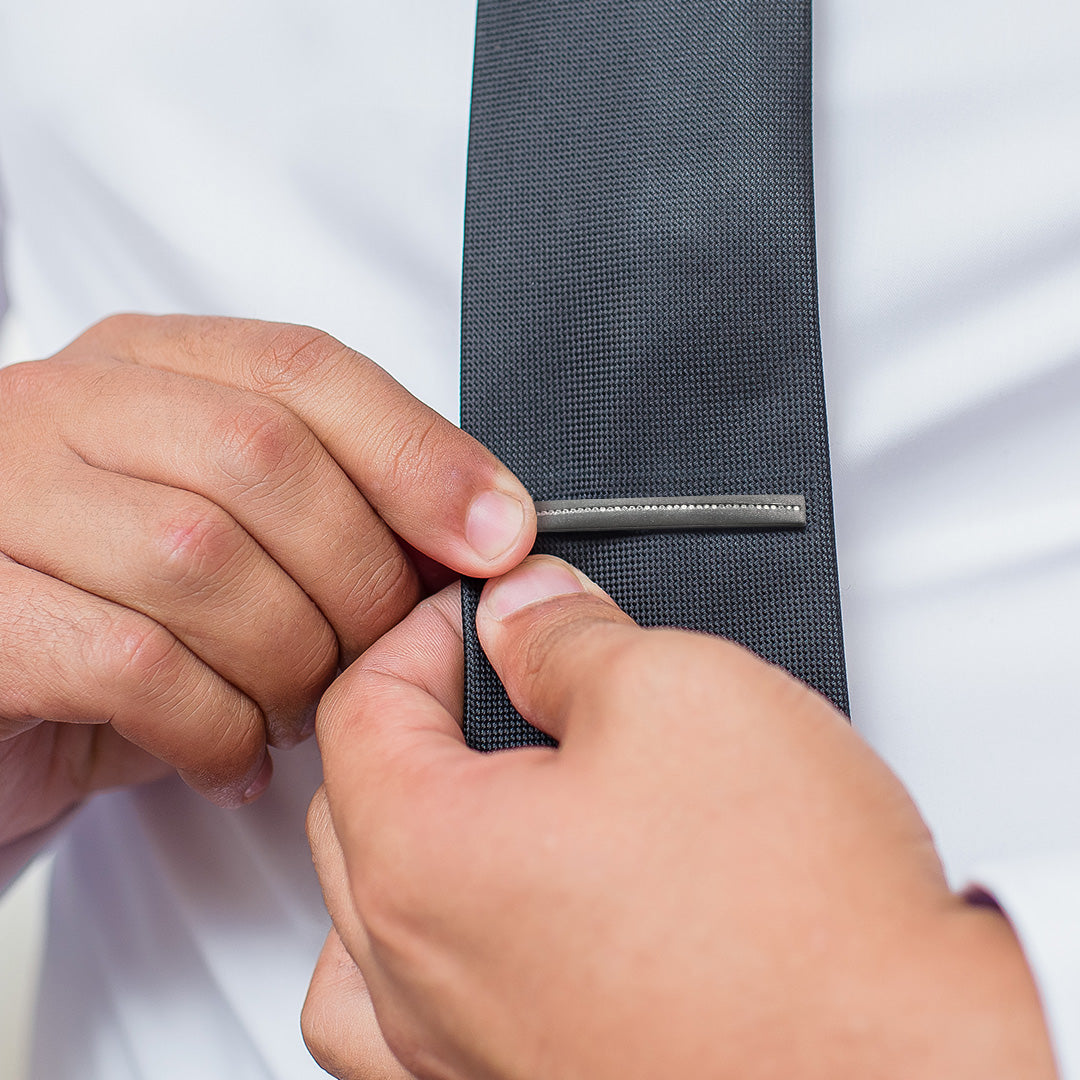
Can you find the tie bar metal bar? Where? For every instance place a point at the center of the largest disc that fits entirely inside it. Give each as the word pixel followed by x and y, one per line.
pixel 679 512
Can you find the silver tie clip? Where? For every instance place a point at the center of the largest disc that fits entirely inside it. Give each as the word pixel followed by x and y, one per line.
pixel 680 512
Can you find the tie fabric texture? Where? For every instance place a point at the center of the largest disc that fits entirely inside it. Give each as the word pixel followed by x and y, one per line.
pixel 639 310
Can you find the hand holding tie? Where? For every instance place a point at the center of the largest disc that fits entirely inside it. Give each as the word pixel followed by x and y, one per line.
pixel 200 519
pixel 712 876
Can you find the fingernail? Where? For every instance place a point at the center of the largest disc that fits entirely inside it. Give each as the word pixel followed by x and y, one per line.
pixel 529 584
pixel 261 781
pixel 493 524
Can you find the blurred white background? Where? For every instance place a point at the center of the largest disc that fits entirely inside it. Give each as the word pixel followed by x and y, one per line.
pixel 21 929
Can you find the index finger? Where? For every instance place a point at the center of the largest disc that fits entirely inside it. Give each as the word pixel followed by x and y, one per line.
pixel 389 728
pixel 433 484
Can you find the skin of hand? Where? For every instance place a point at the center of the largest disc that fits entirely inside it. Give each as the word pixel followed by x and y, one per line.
pixel 712 876
pixel 201 519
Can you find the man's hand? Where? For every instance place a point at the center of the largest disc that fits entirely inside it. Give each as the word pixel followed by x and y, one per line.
pixel 712 876
pixel 199 520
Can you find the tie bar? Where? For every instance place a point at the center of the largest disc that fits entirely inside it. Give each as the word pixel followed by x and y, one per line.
pixel 680 512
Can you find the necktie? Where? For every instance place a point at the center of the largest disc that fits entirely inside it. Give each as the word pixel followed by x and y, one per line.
pixel 639 315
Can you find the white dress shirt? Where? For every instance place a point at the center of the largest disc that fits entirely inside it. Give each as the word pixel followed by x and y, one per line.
pixel 306 162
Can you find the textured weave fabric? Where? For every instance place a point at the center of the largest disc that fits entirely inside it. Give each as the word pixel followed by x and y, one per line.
pixel 639 309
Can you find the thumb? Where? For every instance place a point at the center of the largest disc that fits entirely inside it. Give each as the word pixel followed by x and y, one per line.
pixel 549 632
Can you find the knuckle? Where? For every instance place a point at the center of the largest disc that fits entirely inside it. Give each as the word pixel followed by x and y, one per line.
pixel 327 1013
pixel 316 1027
pixel 194 545
pixel 132 650
pixel 115 323
pixel 294 357
pixel 119 326
pixel 261 438
pixel 21 383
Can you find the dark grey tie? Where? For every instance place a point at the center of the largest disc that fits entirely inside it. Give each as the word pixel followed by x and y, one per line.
pixel 639 317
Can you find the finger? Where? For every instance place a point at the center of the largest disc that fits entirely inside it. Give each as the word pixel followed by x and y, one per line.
pixel 550 633
pixel 333 876
pixel 423 652
pixel 53 767
pixel 339 1022
pixel 428 652
pixel 73 657
pixel 434 485
pixel 257 460
pixel 393 752
pixel 184 562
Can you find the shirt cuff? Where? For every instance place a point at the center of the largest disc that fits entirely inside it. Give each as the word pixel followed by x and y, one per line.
pixel 1040 896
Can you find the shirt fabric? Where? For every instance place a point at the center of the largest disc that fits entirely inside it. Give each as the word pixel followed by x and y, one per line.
pixel 306 163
